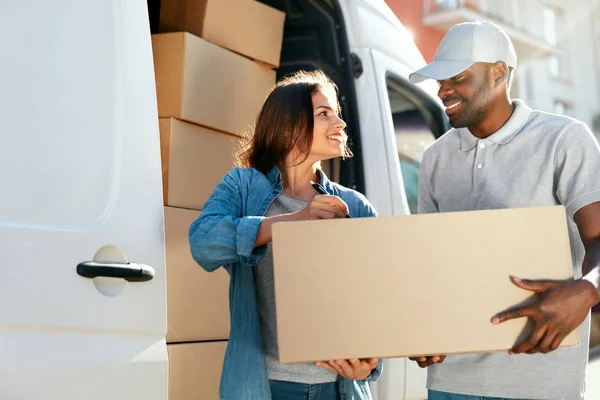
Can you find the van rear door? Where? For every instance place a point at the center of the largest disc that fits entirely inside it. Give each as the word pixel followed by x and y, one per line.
pixel 82 294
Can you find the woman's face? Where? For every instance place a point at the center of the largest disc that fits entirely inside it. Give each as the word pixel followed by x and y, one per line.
pixel 329 138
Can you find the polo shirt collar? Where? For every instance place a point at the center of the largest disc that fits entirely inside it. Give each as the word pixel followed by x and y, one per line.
pixel 509 130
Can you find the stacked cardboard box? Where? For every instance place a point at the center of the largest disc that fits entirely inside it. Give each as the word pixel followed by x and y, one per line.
pixel 213 66
pixel 204 84
pixel 246 27
pixel 195 370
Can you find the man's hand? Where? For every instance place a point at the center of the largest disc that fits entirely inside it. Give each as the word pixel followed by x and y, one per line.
pixel 354 369
pixel 426 361
pixel 562 307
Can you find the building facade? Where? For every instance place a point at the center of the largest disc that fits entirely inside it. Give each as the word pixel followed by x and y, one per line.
pixel 557 43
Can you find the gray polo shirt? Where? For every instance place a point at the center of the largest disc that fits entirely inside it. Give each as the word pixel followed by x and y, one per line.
pixel 535 159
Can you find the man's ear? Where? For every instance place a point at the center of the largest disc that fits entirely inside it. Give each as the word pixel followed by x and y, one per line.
pixel 500 73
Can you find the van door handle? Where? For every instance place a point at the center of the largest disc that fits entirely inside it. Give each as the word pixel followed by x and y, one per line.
pixel 129 271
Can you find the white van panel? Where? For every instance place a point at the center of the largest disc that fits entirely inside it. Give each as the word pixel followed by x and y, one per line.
pixel 80 169
pixel 372 24
pixel 382 44
pixel 378 186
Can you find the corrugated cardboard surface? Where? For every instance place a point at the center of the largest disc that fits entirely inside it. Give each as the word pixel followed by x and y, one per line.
pixel 202 83
pixel 197 301
pixel 183 16
pixel 413 285
pixel 169 61
pixel 244 26
pixel 195 370
pixel 194 160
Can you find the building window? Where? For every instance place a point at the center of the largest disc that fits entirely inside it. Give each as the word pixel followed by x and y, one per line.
pixel 554 66
pixel 554 21
pixel 447 4
pixel 562 107
pixel 550 26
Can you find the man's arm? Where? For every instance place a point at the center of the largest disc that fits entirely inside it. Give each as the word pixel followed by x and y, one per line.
pixel 563 305
pixel 588 223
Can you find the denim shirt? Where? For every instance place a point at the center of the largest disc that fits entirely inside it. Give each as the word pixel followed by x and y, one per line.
pixel 225 235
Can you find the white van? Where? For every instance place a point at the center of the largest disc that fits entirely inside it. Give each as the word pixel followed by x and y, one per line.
pixel 80 176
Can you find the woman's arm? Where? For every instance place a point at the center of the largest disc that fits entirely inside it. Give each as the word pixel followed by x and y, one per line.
pixel 221 235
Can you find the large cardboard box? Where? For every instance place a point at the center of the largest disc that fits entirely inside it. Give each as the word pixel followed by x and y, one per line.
pixel 194 159
pixel 200 82
pixel 244 26
pixel 195 370
pixel 411 285
pixel 197 301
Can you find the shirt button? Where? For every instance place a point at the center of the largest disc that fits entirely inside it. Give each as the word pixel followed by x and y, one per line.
pixel 479 166
pixel 482 145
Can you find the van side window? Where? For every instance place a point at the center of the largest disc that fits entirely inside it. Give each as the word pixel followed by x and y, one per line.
pixel 412 123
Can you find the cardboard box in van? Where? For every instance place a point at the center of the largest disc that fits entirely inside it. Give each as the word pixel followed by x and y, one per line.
pixel 411 285
pixel 200 82
pixel 195 370
pixel 194 159
pixel 244 26
pixel 197 301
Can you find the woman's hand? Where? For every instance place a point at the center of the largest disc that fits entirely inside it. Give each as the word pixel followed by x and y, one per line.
pixel 323 207
pixel 354 368
pixel 320 207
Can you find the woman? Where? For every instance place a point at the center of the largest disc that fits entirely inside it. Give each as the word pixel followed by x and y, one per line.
pixel 298 127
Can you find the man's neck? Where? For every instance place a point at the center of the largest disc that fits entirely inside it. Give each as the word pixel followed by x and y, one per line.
pixel 501 112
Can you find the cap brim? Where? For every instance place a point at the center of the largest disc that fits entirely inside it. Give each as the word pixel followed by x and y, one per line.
pixel 439 70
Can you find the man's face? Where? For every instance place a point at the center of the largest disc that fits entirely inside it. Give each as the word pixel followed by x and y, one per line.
pixel 467 96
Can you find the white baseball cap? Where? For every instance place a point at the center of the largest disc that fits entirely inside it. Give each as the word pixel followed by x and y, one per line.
pixel 464 45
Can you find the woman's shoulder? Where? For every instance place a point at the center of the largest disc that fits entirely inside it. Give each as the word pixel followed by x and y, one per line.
pixel 355 199
pixel 242 176
pixel 346 191
pixel 249 183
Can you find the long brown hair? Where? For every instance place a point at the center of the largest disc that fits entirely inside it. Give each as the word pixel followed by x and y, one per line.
pixel 285 122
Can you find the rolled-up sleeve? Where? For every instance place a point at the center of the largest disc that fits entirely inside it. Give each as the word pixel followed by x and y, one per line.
pixel 375 373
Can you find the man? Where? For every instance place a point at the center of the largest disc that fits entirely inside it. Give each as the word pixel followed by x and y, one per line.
pixel 595 328
pixel 502 154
